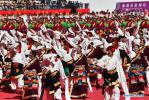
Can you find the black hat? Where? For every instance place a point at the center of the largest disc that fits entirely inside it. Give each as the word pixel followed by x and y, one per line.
pixel 8 60
pixel 121 37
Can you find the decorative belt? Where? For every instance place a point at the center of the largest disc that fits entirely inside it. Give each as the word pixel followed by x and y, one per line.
pixel 116 83
pixel 112 71
pixel 53 73
pixel 16 77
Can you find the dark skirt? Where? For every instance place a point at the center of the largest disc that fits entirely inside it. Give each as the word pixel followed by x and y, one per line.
pixel 79 91
pixel 93 79
pixel 30 87
pixel 6 81
pixel 109 78
pixel 6 78
pixel 31 94
pixel 136 81
pixel 16 69
pixel 52 82
pixel 92 73
pixel 136 88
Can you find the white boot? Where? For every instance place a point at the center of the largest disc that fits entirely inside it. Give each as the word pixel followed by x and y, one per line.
pixel 58 94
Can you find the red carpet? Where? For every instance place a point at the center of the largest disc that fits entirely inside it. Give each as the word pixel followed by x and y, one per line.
pixel 95 95
pixel 91 96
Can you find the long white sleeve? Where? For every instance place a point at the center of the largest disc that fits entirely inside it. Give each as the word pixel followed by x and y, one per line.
pixel 70 41
pixel 106 44
pixel 61 69
pixel 9 37
pixel 121 75
pixel 101 62
pixel 58 51
pixel 120 32
pixel 25 20
pixel 19 33
pixel 1 35
pixel 78 25
pixel 13 32
pixel 43 28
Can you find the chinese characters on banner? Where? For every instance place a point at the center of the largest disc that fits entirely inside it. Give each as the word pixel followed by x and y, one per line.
pixel 124 5
pixel 127 6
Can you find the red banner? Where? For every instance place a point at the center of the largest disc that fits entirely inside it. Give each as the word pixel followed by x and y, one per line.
pixel 58 11
pixel 83 11
pixel 66 11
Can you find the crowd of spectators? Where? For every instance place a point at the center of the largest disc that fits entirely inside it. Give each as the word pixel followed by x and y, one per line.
pixel 38 4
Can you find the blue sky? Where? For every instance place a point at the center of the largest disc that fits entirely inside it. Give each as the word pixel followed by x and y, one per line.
pixel 97 5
